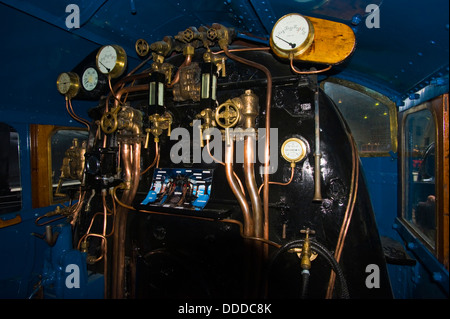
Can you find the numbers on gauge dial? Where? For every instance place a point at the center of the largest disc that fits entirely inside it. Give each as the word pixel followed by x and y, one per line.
pixel 290 32
pixel 293 150
pixel 90 79
pixel 64 83
pixel 107 59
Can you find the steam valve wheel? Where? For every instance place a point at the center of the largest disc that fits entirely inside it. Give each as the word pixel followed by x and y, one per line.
pixel 227 114
pixel 142 47
pixel 109 122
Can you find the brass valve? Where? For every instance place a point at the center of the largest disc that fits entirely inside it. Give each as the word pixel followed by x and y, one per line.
pixel 217 59
pixel 207 115
pixel 306 250
pixel 159 123
pixel 109 121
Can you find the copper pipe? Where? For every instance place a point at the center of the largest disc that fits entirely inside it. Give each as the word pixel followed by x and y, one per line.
pixel 267 145
pixel 250 182
pixel 154 160
pixel 187 61
pixel 347 215
pixel 222 163
pixel 130 89
pixel 119 238
pixel 279 183
pixel 307 72
pixel 248 220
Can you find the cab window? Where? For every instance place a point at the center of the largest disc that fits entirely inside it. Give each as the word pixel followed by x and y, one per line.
pixel 370 116
pixel 10 185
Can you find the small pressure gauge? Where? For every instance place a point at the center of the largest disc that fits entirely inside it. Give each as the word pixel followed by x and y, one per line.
pixel 89 79
pixel 68 84
pixel 294 150
pixel 291 35
pixel 111 60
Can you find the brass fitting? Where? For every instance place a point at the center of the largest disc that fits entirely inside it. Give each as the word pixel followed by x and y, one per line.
pixel 223 35
pixel 208 121
pixel 305 262
pixel 160 123
pixel 217 59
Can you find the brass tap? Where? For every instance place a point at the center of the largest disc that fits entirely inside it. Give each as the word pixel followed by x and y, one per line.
pixel 208 121
pixel 159 123
pixel 306 250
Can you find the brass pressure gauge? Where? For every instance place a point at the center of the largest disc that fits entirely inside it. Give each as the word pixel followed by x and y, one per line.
pixel 68 84
pixel 294 150
pixel 111 60
pixel 291 35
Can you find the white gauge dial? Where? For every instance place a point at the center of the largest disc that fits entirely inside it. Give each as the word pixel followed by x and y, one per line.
pixel 292 34
pixel 107 59
pixel 89 79
pixel 112 60
pixel 293 150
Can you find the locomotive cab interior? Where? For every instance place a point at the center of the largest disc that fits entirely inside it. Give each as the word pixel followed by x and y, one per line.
pixel 224 150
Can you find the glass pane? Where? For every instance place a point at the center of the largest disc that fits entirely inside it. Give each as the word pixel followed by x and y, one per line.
pixel 419 161
pixel 67 157
pixel 368 118
pixel 10 187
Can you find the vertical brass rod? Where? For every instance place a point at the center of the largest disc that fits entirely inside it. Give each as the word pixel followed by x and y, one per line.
pixel 317 154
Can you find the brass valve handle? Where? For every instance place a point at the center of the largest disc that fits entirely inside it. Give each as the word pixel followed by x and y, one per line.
pixel 109 122
pixel 227 114
pixel 142 47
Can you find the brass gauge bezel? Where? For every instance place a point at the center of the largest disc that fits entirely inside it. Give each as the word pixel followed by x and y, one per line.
pixel 70 85
pixel 298 49
pixel 303 147
pixel 120 63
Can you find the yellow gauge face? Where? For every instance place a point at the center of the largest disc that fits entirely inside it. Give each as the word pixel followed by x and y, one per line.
pixel 292 35
pixel 89 79
pixel 111 60
pixel 68 84
pixel 294 150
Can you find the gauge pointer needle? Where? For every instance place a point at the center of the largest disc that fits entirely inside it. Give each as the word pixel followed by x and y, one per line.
pixel 107 69
pixel 291 44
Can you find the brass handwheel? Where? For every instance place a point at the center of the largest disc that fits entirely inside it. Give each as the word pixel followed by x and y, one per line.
pixel 142 47
pixel 109 122
pixel 227 114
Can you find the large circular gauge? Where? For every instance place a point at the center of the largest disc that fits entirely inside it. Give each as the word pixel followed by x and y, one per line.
pixel 111 60
pixel 89 79
pixel 291 35
pixel 294 150
pixel 68 84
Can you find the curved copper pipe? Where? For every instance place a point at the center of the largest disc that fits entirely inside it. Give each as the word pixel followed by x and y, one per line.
pixel 347 215
pixel 250 182
pixel 130 89
pixel 248 220
pixel 187 61
pixel 267 144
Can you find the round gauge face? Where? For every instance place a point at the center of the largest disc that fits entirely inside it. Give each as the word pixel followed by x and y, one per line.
pixel 293 150
pixel 106 59
pixel 68 84
pixel 89 79
pixel 292 33
pixel 63 83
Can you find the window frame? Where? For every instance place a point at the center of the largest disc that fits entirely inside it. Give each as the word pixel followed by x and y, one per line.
pixel 438 107
pixel 393 113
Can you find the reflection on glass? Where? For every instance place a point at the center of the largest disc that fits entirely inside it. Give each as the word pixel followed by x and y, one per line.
pixel 419 157
pixel 10 187
pixel 368 118
pixel 67 158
